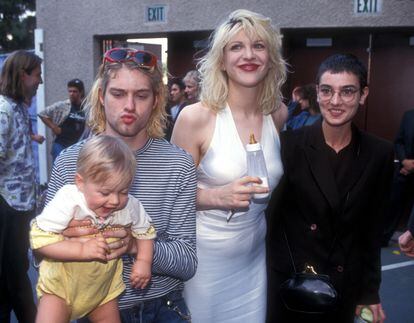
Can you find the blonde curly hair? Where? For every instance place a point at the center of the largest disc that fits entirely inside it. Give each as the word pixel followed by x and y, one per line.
pixel 214 85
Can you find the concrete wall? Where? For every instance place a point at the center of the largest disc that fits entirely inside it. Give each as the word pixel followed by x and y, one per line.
pixel 70 49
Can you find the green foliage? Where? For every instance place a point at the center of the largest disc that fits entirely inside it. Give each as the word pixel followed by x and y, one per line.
pixel 16 28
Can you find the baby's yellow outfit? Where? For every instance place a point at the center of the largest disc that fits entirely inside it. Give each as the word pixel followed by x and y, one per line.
pixel 83 285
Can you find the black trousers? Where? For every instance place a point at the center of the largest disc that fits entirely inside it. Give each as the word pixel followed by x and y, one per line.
pixel 15 287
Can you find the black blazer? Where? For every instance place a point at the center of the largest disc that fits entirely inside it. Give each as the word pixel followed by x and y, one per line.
pixel 307 205
pixel 404 142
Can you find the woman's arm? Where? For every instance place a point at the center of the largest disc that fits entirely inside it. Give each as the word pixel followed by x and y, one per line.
pixel 193 130
pixel 48 122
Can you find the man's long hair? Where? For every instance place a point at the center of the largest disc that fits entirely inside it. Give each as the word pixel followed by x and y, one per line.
pixel 10 80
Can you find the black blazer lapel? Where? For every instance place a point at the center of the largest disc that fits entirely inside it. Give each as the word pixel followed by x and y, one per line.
pixel 360 160
pixel 319 165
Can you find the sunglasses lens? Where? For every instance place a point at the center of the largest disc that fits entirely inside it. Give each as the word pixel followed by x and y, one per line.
pixel 118 54
pixel 143 58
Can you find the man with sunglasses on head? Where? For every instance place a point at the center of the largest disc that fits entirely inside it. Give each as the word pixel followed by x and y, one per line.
pixel 127 101
pixel 342 176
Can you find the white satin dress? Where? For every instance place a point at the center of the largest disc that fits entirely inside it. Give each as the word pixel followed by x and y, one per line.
pixel 230 282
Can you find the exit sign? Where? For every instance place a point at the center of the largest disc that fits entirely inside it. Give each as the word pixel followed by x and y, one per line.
pixel 367 7
pixel 156 13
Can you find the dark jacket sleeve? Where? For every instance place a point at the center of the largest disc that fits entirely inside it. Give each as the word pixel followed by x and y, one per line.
pixel 411 222
pixel 399 143
pixel 372 231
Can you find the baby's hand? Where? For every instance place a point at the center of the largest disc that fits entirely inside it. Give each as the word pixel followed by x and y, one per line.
pixel 140 274
pixel 95 249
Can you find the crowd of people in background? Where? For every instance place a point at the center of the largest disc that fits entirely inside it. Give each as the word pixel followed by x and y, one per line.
pixel 303 108
pixel 150 211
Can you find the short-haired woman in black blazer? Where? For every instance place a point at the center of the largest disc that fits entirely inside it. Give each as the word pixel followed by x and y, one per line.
pixel 330 201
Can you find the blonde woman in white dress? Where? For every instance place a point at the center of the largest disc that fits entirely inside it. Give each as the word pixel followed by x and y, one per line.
pixel 241 77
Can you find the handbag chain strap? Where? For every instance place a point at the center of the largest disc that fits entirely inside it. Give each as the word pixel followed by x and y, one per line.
pixel 331 249
pixel 332 246
pixel 290 251
pixel 308 268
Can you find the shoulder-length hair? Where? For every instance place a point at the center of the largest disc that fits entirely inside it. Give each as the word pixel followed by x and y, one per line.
pixel 214 85
pixel 95 112
pixel 11 84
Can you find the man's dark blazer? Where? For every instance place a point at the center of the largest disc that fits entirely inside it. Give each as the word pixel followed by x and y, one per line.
pixel 307 205
pixel 404 148
pixel 404 141
pixel 170 122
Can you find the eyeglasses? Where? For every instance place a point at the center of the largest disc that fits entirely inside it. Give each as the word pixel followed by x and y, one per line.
pixel 346 94
pixel 144 59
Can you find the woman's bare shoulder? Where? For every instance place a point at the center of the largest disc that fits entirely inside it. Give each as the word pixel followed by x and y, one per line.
pixel 197 119
pixel 196 114
pixel 193 129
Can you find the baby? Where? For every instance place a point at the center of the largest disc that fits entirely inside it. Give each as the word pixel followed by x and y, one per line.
pixel 75 278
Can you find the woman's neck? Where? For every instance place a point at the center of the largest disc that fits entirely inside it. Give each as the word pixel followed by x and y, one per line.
pixel 243 100
pixel 337 137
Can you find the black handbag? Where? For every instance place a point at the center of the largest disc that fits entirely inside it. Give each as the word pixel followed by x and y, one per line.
pixel 308 292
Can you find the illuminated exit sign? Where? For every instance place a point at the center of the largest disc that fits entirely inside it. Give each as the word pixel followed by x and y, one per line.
pixel 367 7
pixel 156 13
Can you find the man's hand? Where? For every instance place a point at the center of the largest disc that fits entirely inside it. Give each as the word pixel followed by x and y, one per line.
pixel 95 249
pixel 79 230
pixel 38 138
pixel 406 242
pixel 407 167
pixel 121 246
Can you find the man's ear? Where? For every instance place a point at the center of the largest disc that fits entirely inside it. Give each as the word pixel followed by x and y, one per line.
pixel 365 92
pixel 100 94
pixel 23 74
pixel 317 92
pixel 155 102
pixel 80 183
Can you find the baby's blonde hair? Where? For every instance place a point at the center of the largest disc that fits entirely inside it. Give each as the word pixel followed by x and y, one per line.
pixel 104 157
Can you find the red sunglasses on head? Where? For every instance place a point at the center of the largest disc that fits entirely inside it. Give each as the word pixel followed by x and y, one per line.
pixel 144 59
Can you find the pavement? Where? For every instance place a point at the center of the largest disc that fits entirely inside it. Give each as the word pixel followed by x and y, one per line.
pixel 397 286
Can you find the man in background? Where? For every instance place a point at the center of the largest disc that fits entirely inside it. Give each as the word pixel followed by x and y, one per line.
pixel 20 77
pixel 66 118
pixel 403 181
pixel 178 99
